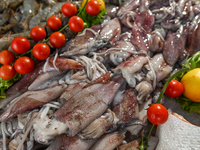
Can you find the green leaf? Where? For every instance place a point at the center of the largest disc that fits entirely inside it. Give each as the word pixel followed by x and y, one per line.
pixel 5 84
pixel 193 62
pixel 188 105
pixel 89 21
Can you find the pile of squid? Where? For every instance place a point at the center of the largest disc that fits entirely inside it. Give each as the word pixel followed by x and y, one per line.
pixel 93 93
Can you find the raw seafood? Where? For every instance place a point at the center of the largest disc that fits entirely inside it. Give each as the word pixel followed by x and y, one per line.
pixel 31 100
pixel 81 112
pixel 70 143
pixel 95 102
pixel 108 141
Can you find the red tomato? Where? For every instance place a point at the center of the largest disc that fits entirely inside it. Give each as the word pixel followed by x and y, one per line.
pixel 24 65
pixel 38 33
pixel 157 114
pixel 7 72
pixel 69 9
pixel 54 23
pixel 76 24
pixel 20 45
pixel 93 8
pixel 6 57
pixel 57 39
pixel 41 51
pixel 174 89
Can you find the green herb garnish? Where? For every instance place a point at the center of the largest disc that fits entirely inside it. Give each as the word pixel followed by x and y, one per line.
pixel 89 20
pixel 5 84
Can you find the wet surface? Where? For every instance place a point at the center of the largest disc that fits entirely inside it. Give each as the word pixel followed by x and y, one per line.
pixel 176 107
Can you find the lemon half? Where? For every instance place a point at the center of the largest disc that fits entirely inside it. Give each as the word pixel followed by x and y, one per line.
pixel 191 83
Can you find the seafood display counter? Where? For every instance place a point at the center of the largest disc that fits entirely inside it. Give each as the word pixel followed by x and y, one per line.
pixel 94 91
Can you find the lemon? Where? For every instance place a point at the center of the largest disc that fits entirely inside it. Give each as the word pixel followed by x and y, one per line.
pixel 101 2
pixel 191 83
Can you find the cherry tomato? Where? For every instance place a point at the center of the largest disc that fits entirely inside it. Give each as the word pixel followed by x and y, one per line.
pixel 54 23
pixel 6 57
pixel 76 24
pixel 7 72
pixel 69 9
pixel 41 51
pixel 24 65
pixel 157 114
pixel 57 39
pixel 20 45
pixel 93 8
pixel 174 89
pixel 38 33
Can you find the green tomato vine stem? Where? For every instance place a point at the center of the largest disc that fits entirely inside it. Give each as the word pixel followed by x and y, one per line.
pixel 147 138
pixel 158 101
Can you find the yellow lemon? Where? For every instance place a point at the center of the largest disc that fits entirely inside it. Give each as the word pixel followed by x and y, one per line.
pixel 101 2
pixel 191 83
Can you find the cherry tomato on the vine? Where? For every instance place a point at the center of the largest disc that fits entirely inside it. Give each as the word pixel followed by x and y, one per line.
pixel 157 114
pixel 6 57
pixel 20 45
pixel 93 8
pixel 38 33
pixel 76 24
pixel 69 9
pixel 41 51
pixel 174 89
pixel 54 23
pixel 7 72
pixel 24 65
pixel 57 39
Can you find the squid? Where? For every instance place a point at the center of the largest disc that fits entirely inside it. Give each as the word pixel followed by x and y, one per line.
pixel 142 118
pixel 130 67
pixel 128 108
pixel 144 88
pixel 109 141
pixel 141 30
pixel 63 64
pixel 92 40
pixel 161 68
pixel 71 90
pixel 83 108
pixel 193 40
pixel 157 40
pixel 109 33
pixel 70 143
pixel 131 145
pixel 99 126
pixel 174 45
pixel 45 80
pixel 127 12
pixel 31 100
pixel 81 44
pixel 120 56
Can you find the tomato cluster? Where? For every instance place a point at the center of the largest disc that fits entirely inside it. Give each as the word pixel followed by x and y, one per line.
pixel 76 23
pixel 41 51
pixel 22 65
